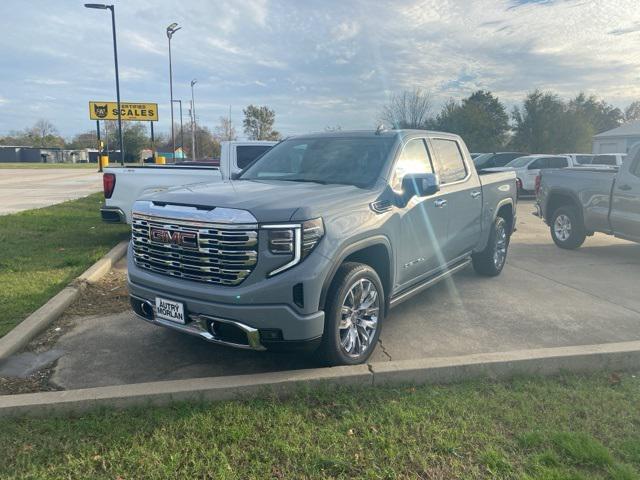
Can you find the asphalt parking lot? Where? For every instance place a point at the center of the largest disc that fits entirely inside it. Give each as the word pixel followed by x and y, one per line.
pixel 546 297
pixel 25 188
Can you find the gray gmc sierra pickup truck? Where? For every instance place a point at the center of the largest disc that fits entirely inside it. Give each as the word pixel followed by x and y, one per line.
pixel 576 202
pixel 313 243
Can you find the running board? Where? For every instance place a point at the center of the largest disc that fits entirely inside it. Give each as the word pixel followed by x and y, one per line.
pixel 407 294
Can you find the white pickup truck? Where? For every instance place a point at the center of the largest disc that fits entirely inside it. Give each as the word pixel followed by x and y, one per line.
pixel 124 185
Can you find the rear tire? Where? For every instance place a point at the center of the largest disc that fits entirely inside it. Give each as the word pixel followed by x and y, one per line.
pixel 491 260
pixel 567 228
pixel 353 315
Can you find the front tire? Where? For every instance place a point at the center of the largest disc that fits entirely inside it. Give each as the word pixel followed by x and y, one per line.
pixel 491 260
pixel 567 228
pixel 353 315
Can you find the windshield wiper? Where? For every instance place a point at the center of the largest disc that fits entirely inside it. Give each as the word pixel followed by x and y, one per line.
pixel 307 180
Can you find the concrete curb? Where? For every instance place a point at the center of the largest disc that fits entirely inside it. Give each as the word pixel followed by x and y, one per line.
pixel 502 365
pixel 35 323
pixel 163 393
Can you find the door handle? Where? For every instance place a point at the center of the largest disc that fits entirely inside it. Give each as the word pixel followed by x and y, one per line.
pixel 475 194
pixel 624 187
pixel 441 202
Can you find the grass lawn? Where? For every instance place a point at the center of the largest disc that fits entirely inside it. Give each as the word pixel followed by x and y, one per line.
pixel 44 249
pixel 49 165
pixel 570 427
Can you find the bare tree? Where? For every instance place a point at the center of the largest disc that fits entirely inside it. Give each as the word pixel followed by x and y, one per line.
pixel 225 130
pixel 409 109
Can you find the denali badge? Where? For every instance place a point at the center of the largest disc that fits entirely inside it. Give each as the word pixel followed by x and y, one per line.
pixel 184 239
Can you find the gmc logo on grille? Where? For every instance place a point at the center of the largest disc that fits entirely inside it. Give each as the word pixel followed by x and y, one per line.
pixel 184 239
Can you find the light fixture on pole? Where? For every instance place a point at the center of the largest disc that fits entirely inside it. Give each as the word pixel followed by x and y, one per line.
pixel 171 29
pixel 193 121
pixel 101 6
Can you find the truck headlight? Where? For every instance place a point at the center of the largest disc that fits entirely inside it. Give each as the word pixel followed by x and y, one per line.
pixel 296 239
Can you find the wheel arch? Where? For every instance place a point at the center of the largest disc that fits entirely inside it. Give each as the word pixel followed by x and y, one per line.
pixel 506 210
pixel 557 199
pixel 374 251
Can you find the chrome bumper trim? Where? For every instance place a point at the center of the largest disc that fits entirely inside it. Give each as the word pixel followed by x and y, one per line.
pixel 104 213
pixel 198 327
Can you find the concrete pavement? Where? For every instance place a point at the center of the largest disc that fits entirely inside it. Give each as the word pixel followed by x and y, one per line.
pixel 24 188
pixel 546 297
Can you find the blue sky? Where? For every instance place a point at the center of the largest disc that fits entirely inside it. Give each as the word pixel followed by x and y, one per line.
pixel 317 63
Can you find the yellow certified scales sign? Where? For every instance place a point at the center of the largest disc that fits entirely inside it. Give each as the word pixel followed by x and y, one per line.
pixel 141 112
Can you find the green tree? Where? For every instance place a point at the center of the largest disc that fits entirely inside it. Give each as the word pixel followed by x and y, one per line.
pixel 480 119
pixel 207 146
pixel 134 138
pixel 598 113
pixel 546 124
pixel 258 123
pixel 409 109
pixel 632 112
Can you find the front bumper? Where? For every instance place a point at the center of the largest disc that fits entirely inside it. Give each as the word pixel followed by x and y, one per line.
pixel 249 326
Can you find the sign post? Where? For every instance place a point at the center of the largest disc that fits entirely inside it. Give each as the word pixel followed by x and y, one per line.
pixel 99 145
pixel 153 144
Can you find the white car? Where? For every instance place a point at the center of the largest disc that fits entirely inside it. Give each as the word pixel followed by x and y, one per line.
pixel 528 168
pixel 124 185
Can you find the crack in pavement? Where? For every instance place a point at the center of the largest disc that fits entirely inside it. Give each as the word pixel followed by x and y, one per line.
pixel 384 350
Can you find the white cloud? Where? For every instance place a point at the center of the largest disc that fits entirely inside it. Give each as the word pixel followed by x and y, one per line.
pixel 315 64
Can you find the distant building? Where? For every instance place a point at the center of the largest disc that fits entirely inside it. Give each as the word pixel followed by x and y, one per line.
pixel 23 154
pixel 618 140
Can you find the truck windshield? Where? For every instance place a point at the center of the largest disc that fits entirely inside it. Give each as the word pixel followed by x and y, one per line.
pixel 344 160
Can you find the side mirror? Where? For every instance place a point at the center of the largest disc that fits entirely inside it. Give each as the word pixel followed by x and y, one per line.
pixel 235 175
pixel 420 184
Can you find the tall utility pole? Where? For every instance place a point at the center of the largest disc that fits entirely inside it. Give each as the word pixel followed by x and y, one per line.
pixel 101 6
pixel 193 121
pixel 171 29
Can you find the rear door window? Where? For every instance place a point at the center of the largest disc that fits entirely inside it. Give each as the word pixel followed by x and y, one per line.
pixel 557 162
pixel 248 153
pixel 538 164
pixel 584 159
pixel 604 160
pixel 449 160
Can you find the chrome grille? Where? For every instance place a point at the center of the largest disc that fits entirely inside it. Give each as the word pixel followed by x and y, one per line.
pixel 226 253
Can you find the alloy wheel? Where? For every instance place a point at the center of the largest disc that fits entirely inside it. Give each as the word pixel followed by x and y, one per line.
pixel 359 318
pixel 562 227
pixel 500 252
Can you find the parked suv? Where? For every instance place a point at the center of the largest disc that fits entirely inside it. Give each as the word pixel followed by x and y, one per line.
pixel 313 243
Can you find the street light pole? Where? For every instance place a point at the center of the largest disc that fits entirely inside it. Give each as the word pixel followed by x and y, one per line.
pixel 193 121
pixel 181 128
pixel 100 6
pixel 171 29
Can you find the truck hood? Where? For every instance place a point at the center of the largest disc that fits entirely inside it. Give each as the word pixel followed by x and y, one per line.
pixel 269 200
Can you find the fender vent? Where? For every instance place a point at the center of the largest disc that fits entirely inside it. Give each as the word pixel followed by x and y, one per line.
pixel 381 206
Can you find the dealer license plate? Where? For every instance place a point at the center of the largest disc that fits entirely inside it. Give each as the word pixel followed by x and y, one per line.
pixel 170 310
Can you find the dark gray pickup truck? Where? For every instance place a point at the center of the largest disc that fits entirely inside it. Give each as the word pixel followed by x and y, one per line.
pixel 315 241
pixel 576 202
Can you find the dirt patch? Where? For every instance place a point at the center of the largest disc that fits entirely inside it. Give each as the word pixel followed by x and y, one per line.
pixel 109 295
pixel 38 382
